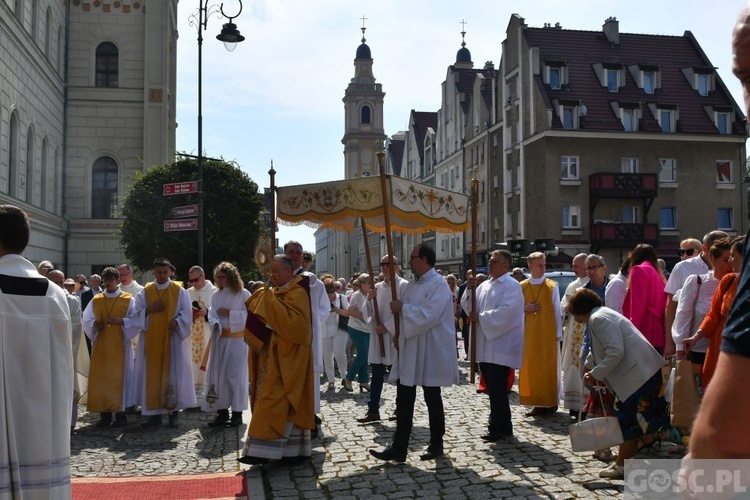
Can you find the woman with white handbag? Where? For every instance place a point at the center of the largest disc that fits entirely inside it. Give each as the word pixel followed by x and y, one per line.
pixel 623 358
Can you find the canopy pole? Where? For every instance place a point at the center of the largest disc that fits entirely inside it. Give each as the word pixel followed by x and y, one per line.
pixel 381 342
pixel 473 325
pixel 388 240
pixel 272 203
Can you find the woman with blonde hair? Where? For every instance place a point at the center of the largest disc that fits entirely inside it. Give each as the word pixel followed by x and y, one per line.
pixel 359 333
pixel 227 371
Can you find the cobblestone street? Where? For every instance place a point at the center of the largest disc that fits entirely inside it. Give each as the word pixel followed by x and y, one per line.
pixel 536 463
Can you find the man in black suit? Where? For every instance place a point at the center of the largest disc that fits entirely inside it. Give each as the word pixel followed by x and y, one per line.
pixel 95 280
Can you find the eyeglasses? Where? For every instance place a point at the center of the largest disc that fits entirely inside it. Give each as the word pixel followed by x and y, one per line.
pixel 688 251
pixel 494 261
pixel 194 280
pixel 81 282
pixel 220 276
pixel 592 268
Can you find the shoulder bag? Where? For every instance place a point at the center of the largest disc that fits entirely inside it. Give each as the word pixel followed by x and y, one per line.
pixel 343 320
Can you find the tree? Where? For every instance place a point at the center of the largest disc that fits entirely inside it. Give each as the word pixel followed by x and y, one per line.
pixel 232 222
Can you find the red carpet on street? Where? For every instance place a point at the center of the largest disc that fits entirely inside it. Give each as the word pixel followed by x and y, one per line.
pixel 226 485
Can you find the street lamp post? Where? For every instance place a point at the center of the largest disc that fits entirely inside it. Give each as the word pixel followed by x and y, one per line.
pixel 230 35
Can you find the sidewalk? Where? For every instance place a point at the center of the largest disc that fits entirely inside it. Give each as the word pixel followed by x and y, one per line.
pixel 536 463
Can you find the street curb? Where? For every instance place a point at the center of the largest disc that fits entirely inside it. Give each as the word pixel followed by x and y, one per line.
pixel 254 484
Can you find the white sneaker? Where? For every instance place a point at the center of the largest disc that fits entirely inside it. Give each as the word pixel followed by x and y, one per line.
pixel 614 471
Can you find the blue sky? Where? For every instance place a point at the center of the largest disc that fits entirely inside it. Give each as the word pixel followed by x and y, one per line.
pixel 278 96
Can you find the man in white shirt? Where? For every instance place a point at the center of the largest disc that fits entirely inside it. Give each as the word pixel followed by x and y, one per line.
pixel 36 377
pixel 427 354
pixel 700 264
pixel 499 317
pixel 201 291
pixel 319 307
pixel 572 341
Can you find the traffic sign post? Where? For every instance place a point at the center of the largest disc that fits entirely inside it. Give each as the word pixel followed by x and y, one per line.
pixel 182 188
pixel 180 225
pixel 185 211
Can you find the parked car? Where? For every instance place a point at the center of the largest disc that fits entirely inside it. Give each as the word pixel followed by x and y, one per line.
pixel 562 278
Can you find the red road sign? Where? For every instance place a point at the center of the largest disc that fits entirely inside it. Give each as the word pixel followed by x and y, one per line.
pixel 185 211
pixel 181 188
pixel 181 225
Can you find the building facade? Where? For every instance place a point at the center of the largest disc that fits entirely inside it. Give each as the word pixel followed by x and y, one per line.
pixel 82 109
pixel 614 139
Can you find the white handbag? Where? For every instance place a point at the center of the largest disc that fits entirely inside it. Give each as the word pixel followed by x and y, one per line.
pixel 595 433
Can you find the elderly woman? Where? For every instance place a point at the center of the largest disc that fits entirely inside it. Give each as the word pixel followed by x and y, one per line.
pixel 334 338
pixel 713 323
pixel 630 365
pixel 359 333
pixel 695 299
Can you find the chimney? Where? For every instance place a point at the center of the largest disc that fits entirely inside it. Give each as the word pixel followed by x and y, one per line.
pixel 611 29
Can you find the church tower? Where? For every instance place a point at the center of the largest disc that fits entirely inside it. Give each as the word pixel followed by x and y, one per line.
pixel 363 111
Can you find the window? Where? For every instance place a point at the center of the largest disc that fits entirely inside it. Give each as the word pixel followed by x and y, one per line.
pixel 723 122
pixel 667 170
pixel 568 117
pixel 47 32
pixel 629 165
pixel 554 78
pixel 572 216
pixel 613 81
pixel 107 57
pixel 629 119
pixel 648 82
pixel 27 180
pixel 666 120
pixel 13 156
pixel 365 115
pixel 104 189
pixel 569 168
pixel 631 214
pixel 667 218
pixel 723 171
pixel 724 219
pixel 44 196
pixel 701 84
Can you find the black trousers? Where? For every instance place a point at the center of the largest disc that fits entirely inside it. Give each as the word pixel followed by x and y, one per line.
pixel 496 379
pixel 406 395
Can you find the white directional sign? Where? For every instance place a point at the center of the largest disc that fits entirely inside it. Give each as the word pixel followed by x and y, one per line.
pixel 181 225
pixel 181 188
pixel 185 211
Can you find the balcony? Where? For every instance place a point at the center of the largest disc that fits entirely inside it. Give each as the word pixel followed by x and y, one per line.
pixel 618 235
pixel 620 185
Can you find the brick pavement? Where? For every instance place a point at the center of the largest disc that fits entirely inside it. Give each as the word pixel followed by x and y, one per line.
pixel 537 463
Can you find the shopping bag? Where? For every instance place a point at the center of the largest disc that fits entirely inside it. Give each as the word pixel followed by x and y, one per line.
pixel 595 433
pixel 686 394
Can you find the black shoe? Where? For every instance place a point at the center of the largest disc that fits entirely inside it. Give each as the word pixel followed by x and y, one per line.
pixel 103 423
pixel 219 421
pixel 431 453
pixel 121 420
pixel 388 454
pixel 173 419
pixel 236 419
pixel 153 421
pixel 248 460
pixel 370 416
pixel 491 437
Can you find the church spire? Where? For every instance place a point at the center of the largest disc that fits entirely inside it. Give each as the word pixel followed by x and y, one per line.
pixel 463 56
